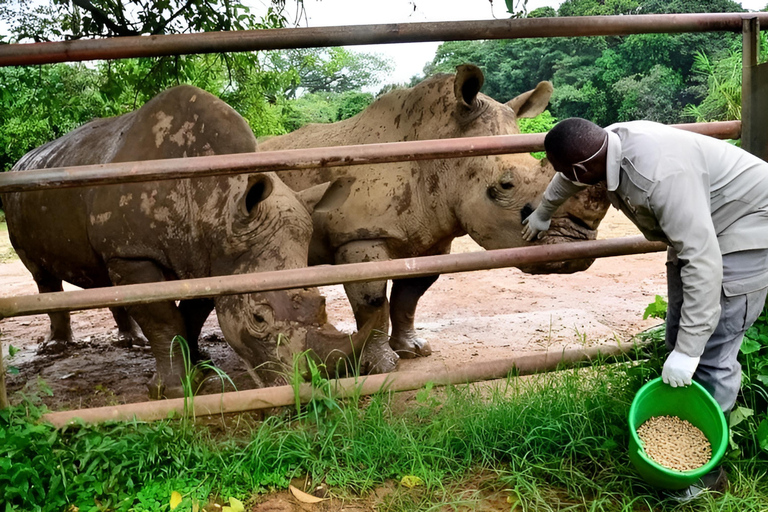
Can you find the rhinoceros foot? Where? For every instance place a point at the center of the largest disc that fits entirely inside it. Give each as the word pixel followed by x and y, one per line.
pixel 378 356
pixel 57 342
pixel 173 388
pixel 409 346
pixel 50 347
pixel 127 339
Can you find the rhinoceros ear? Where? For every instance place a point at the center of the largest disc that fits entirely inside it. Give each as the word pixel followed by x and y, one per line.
pixel 469 79
pixel 326 196
pixel 533 102
pixel 259 188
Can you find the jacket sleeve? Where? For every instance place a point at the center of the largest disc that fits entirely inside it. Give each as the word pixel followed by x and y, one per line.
pixel 558 191
pixel 680 203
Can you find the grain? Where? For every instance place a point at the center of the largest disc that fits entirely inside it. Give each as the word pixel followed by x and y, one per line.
pixel 674 443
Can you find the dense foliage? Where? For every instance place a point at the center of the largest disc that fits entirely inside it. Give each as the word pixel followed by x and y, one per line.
pixel 606 79
pixel 553 442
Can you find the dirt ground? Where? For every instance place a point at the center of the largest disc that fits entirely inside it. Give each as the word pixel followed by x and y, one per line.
pixel 466 317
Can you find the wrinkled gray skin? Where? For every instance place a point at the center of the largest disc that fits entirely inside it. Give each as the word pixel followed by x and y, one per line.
pixel 177 229
pixel 412 209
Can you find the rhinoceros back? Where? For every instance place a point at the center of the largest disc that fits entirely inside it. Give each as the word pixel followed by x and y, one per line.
pixel 60 231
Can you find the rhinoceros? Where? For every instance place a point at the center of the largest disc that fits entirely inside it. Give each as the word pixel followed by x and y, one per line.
pixel 417 208
pixel 177 229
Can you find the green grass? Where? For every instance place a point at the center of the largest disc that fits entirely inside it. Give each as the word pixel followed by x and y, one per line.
pixel 552 442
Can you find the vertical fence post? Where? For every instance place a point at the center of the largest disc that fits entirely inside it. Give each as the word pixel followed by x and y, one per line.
pixel 3 393
pixel 754 92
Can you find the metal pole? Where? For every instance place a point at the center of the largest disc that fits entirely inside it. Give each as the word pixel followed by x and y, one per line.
pixel 3 393
pixel 309 158
pixel 754 92
pixel 275 39
pixel 319 276
pixel 279 396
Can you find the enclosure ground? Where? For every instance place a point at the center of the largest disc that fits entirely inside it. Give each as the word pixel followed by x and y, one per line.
pixel 466 317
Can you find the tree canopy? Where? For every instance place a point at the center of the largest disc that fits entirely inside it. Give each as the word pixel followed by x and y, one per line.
pixel 605 79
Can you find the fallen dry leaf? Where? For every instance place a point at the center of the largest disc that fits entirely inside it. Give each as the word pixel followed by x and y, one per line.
pixel 304 497
pixel 175 499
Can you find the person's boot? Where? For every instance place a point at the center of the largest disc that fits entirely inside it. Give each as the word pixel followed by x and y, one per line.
pixel 715 481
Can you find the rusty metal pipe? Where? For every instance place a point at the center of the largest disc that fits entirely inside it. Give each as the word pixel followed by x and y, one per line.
pixel 319 276
pixel 125 172
pixel 280 396
pixel 276 39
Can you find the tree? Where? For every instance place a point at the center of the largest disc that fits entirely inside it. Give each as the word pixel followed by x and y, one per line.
pixel 605 79
pixel 329 69
pixel 76 19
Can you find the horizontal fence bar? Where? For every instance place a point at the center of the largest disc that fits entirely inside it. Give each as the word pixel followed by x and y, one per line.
pixel 319 276
pixel 309 158
pixel 281 396
pixel 316 37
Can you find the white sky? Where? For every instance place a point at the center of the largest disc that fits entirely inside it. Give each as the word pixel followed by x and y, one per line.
pixel 410 58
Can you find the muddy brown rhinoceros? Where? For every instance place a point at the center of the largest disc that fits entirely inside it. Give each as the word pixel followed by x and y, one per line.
pixel 417 208
pixel 177 229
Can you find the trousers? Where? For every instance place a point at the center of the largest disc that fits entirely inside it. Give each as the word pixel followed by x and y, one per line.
pixel 742 299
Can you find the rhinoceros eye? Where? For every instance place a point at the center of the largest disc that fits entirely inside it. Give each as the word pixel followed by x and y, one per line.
pixel 499 190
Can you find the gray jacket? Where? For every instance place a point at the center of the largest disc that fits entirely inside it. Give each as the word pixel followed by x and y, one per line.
pixel 702 196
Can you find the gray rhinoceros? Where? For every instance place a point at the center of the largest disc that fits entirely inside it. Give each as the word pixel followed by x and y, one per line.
pixel 177 229
pixel 417 208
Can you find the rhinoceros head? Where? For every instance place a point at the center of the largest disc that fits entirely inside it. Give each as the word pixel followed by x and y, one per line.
pixel 493 194
pixel 269 228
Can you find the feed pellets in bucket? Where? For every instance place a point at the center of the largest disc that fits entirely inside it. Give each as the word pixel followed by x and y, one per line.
pixel 691 404
pixel 674 443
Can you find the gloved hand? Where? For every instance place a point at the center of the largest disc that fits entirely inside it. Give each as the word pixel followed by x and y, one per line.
pixel 678 369
pixel 536 223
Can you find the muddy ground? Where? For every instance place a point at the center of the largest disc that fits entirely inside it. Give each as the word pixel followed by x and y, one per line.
pixel 467 317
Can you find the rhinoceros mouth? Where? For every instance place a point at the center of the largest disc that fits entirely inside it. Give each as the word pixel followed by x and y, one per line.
pixel 563 230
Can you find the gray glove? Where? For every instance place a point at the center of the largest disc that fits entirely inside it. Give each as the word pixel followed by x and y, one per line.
pixel 536 223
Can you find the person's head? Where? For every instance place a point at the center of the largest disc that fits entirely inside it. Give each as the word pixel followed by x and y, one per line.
pixel 577 148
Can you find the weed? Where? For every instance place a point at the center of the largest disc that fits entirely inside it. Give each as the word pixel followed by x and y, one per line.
pixel 192 372
pixel 550 442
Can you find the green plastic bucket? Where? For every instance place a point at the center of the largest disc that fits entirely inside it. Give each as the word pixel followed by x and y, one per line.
pixel 692 403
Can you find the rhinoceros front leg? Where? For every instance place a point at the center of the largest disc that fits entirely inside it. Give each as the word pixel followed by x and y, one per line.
pixel 369 300
pixel 405 296
pixel 60 335
pixel 160 322
pixel 195 313
pixel 128 331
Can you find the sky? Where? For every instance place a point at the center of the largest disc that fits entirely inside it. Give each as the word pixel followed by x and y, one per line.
pixel 410 58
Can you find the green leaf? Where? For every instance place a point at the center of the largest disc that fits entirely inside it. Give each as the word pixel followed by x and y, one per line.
pixel 749 346
pixel 763 379
pixel 738 415
pixel 12 350
pixel 762 435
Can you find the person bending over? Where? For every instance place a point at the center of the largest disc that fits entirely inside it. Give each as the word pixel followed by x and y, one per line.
pixel 708 201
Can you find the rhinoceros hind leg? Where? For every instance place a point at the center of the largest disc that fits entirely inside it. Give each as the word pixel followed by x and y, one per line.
pixel 369 301
pixel 405 296
pixel 160 322
pixel 60 336
pixel 128 331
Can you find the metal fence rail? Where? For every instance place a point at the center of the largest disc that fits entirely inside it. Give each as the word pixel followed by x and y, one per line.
pixel 275 39
pixel 196 167
pixel 127 295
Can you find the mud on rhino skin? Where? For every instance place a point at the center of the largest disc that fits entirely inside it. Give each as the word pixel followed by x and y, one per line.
pixel 409 209
pixel 177 229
